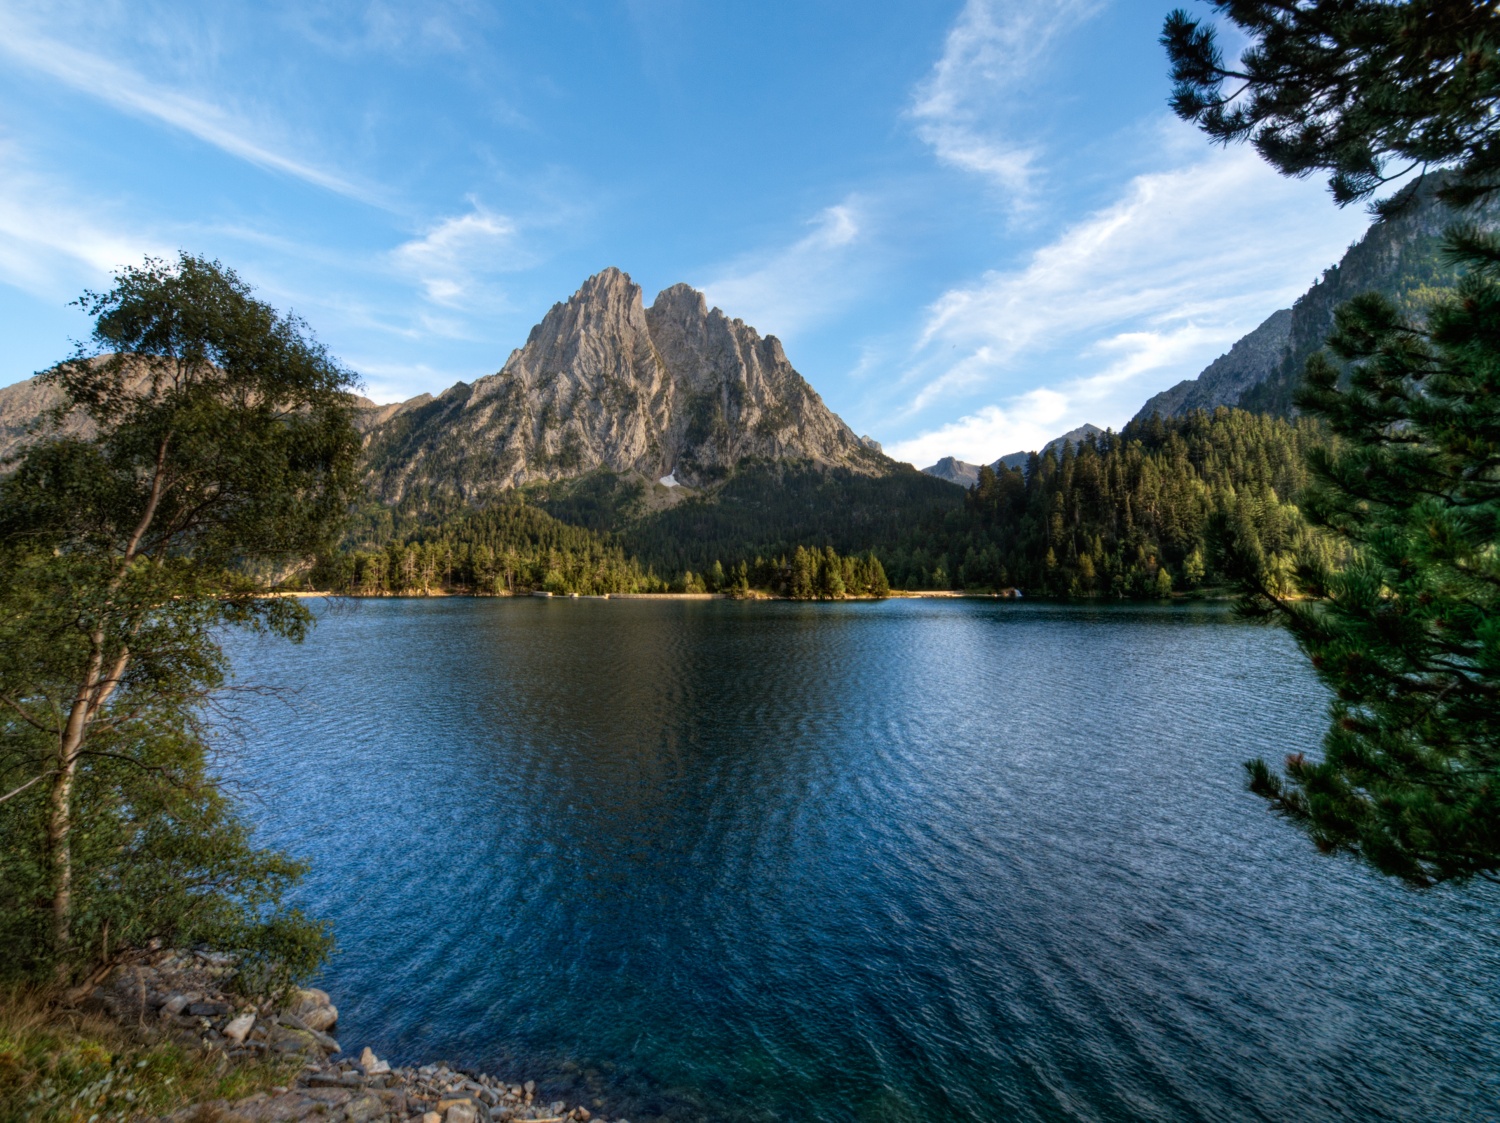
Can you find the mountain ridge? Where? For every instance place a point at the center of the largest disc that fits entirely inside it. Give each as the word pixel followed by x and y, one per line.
pixel 1400 256
pixel 604 383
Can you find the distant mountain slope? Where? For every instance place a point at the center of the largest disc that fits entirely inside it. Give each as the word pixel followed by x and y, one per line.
pixel 768 509
pixel 21 408
pixel 1074 437
pixel 1400 257
pixel 23 404
pixel 955 471
pixel 605 383
pixel 1255 358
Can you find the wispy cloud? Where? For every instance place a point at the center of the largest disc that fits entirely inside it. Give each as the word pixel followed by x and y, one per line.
pixel 450 260
pixel 967 108
pixel 51 243
pixel 1123 302
pixel 786 289
pixel 128 91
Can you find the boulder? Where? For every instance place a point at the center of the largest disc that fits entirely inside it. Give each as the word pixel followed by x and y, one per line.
pixel 238 1029
pixel 372 1064
pixel 315 1009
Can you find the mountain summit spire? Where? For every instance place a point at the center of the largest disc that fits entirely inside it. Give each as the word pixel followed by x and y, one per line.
pixel 605 383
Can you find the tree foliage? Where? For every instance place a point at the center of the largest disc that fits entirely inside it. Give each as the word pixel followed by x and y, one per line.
pixel 216 450
pixel 1131 514
pixel 1366 90
pixel 1408 634
pixel 513 548
pixel 509 548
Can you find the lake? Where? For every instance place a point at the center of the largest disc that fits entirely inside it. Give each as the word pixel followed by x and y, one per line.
pixel 909 860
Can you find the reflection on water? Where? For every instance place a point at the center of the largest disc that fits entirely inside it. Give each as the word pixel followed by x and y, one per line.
pixel 898 861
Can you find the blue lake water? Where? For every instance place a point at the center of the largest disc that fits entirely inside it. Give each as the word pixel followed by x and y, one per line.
pixel 912 860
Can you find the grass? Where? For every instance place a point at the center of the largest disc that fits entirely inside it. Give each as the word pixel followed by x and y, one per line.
pixel 61 1066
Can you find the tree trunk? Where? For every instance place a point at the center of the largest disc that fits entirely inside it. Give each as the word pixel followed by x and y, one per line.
pixel 95 691
pixel 92 694
pixel 60 822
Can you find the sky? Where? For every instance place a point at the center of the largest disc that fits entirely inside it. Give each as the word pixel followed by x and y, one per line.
pixel 973 226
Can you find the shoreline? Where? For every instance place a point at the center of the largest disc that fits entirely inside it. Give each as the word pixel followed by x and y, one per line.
pixel 188 998
pixel 1194 597
pixel 754 595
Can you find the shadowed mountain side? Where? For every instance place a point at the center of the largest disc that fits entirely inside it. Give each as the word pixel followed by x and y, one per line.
pixel 770 508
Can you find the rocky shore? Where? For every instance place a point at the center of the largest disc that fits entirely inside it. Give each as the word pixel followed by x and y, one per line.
pixel 189 997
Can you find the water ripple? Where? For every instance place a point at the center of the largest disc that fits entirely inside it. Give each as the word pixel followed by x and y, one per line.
pixel 892 861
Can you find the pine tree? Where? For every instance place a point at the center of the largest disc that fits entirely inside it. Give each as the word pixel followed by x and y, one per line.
pixel 1407 632
pixel 1351 87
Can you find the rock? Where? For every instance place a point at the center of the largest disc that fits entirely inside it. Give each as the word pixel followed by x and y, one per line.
pixel 372 1064
pixel 364 1108
pixel 175 1004
pixel 955 471
pixel 582 1114
pixel 432 1117
pixel 529 1087
pixel 675 390
pixel 462 1112
pixel 239 1028
pixel 315 1009
pixel 208 1009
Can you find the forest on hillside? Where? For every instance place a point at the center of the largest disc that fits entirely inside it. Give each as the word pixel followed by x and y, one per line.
pixel 515 548
pixel 1140 513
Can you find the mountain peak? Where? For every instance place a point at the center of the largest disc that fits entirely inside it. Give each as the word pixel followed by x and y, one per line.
pixel 681 301
pixel 604 383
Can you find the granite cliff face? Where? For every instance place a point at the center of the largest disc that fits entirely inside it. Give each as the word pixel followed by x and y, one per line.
pixel 955 471
pixel 605 383
pixel 22 407
pixel 1255 358
pixel 1400 257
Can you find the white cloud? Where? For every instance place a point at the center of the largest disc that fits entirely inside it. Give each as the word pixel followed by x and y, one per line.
pixel 386 382
pixel 452 257
pixel 1122 303
pixel 787 289
pixel 128 91
pixel 52 244
pixel 969 102
pixel 1029 420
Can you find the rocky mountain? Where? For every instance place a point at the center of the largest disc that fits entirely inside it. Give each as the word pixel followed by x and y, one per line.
pixel 1400 256
pixel 675 390
pixel 955 471
pixel 1255 358
pixel 23 404
pixel 21 407
pixel 1074 437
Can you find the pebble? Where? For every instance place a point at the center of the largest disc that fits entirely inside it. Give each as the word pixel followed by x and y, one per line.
pixel 190 990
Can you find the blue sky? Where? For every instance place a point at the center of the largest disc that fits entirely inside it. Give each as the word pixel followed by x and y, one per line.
pixel 973 225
